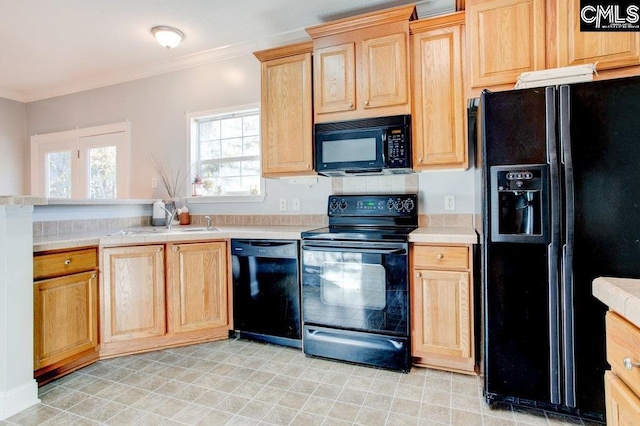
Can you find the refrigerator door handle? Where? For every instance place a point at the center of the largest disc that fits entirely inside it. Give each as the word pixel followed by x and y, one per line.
pixel 567 251
pixel 554 246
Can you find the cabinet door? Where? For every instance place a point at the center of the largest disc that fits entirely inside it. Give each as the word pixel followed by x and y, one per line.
pixel 439 107
pixel 335 88
pixel 66 317
pixel 505 39
pixel 623 406
pixel 384 71
pixel 197 291
pixel 287 119
pixel 609 49
pixel 441 314
pixel 132 293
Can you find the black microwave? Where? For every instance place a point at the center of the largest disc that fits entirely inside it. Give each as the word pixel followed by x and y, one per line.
pixel 368 146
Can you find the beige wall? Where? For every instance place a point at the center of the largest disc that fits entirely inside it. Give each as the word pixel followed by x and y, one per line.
pixel 13 147
pixel 156 107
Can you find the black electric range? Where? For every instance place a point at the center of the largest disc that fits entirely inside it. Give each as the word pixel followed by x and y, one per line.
pixel 355 281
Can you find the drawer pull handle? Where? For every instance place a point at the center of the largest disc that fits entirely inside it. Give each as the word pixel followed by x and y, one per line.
pixel 440 256
pixel 629 364
pixel 67 262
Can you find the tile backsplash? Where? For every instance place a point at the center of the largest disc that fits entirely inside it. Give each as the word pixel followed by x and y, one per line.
pixel 395 184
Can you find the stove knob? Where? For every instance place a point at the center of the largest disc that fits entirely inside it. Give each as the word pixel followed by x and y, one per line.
pixel 333 206
pixel 390 204
pixel 408 205
pixel 398 205
pixel 343 205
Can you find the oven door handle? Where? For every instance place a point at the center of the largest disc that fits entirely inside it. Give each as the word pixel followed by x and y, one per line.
pixel 350 249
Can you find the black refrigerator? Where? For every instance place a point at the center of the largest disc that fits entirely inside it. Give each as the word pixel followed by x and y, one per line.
pixel 561 206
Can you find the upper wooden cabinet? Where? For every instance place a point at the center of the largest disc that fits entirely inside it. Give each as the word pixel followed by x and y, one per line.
pixel 504 39
pixel 439 109
pixel 336 74
pixel 609 49
pixel 286 113
pixel 361 65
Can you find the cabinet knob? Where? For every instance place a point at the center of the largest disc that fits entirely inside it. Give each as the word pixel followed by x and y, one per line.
pixel 159 249
pixel 351 105
pixel 629 364
pixel 366 103
pixel 418 274
pixel 420 160
pixel 67 262
pixel 94 275
pixel 176 248
pixel 440 256
pixel 308 166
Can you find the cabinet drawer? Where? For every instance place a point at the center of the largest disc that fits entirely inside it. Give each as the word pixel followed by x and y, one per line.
pixel 64 263
pixel 623 347
pixel 440 257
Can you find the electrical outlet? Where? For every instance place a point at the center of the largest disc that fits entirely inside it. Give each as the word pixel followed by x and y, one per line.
pixel 154 183
pixel 449 202
pixel 295 204
pixel 283 204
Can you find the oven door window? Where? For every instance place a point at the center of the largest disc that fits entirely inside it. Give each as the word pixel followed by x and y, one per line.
pixel 353 285
pixel 356 289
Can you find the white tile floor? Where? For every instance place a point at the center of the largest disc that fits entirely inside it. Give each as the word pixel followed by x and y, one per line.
pixel 235 382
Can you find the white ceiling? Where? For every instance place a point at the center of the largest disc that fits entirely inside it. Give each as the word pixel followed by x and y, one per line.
pixel 55 47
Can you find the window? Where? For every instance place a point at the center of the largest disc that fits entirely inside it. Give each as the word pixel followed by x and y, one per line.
pixel 83 163
pixel 225 152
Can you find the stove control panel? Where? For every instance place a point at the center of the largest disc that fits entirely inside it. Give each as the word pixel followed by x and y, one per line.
pixel 373 205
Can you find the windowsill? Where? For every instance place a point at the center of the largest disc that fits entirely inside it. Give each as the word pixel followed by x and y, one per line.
pixel 206 199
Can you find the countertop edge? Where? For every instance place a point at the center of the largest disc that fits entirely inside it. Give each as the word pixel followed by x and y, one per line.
pixel 621 295
pixel 448 235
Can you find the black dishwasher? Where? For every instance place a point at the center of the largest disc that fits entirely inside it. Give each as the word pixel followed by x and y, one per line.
pixel 266 290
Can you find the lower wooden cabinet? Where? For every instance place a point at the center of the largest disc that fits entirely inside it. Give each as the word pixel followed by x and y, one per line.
pixel 623 406
pixel 156 296
pixel 197 294
pixel 65 312
pixel 442 334
pixel 622 383
pixel 132 294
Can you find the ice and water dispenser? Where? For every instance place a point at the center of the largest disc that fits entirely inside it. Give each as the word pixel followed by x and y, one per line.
pixel 519 203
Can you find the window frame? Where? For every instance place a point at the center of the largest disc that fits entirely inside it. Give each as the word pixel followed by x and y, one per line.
pixel 192 155
pixel 71 140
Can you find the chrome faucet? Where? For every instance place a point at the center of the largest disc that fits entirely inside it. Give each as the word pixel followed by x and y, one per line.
pixel 208 219
pixel 171 214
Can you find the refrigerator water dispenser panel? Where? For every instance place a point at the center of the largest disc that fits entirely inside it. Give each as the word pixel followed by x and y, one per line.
pixel 519 203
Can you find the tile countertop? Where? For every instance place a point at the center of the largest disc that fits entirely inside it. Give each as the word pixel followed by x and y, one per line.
pixel 621 295
pixel 146 235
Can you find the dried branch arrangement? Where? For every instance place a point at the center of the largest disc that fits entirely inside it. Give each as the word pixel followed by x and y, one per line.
pixel 173 183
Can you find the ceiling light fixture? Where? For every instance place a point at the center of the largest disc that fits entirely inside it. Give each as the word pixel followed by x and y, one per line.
pixel 167 36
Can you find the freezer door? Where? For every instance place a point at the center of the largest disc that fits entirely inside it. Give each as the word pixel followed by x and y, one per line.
pixel 520 280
